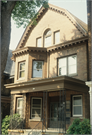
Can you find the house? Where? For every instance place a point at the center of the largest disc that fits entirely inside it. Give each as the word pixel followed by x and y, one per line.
pixel 51 68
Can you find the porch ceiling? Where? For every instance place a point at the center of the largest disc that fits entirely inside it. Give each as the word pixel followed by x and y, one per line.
pixel 48 84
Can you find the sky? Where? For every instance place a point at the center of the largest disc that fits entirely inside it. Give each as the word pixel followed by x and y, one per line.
pixel 76 7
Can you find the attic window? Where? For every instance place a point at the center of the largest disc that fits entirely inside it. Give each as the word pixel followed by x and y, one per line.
pixel 47 38
pixel 39 40
pixel 57 37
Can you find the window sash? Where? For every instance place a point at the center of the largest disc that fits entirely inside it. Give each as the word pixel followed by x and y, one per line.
pixel 76 106
pixel 65 68
pixel 20 106
pixel 37 72
pixel 36 108
pixel 57 37
pixel 39 42
pixel 21 71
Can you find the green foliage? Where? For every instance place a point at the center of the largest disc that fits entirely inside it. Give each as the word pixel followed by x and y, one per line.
pixel 10 122
pixel 79 127
pixel 24 11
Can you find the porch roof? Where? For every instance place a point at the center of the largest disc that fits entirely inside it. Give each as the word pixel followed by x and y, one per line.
pixel 48 84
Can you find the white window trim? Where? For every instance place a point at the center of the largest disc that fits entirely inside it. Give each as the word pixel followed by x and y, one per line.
pixel 67 69
pixel 20 78
pixel 39 69
pixel 76 105
pixel 37 118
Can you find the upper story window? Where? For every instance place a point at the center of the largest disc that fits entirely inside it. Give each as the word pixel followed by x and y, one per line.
pixel 39 42
pixel 57 37
pixel 37 68
pixel 22 70
pixel 67 65
pixel 20 106
pixel 47 38
pixel 77 105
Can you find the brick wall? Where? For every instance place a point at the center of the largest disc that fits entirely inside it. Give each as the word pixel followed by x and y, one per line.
pixel 80 50
pixel 52 97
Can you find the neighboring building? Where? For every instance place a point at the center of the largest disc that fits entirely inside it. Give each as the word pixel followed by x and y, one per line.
pixel 8 77
pixel 89 81
pixel 51 68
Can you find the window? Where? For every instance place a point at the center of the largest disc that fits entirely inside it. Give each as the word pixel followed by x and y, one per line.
pixel 57 37
pixel 37 68
pixel 20 106
pixel 22 70
pixel 77 105
pixel 36 108
pixel 39 42
pixel 47 38
pixel 67 65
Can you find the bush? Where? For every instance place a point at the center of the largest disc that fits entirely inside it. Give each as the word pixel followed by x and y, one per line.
pixel 10 122
pixel 79 127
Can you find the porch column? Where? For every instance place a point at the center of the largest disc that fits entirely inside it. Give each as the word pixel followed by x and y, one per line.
pixel 89 84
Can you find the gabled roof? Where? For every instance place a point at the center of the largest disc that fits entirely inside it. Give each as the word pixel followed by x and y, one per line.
pixel 80 25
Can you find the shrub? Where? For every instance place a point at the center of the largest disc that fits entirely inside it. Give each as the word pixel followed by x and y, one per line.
pixel 11 122
pixel 79 127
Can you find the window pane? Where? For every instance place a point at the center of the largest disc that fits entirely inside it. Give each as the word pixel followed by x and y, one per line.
pixel 77 101
pixel 77 110
pixel 22 74
pixel 19 111
pixel 36 115
pixel 22 66
pixel 36 101
pixel 37 64
pixel 57 37
pixel 37 73
pixel 37 68
pixel 72 64
pixel 36 111
pixel 62 66
pixel 20 102
pixel 72 69
pixel 39 42
pixel 47 41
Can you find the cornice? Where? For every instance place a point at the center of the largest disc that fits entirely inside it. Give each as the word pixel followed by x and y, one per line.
pixel 26 50
pixel 45 81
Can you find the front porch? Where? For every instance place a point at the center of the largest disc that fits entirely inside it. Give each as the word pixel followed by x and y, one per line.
pixel 49 105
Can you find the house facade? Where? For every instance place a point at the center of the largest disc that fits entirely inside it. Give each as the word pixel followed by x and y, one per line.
pixel 51 68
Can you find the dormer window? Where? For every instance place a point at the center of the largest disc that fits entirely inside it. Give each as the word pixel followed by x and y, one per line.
pixel 47 38
pixel 21 70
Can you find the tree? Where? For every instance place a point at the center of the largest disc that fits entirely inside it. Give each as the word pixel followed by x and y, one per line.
pixel 21 12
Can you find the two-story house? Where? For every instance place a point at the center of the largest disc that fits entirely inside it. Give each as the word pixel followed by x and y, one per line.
pixel 51 68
